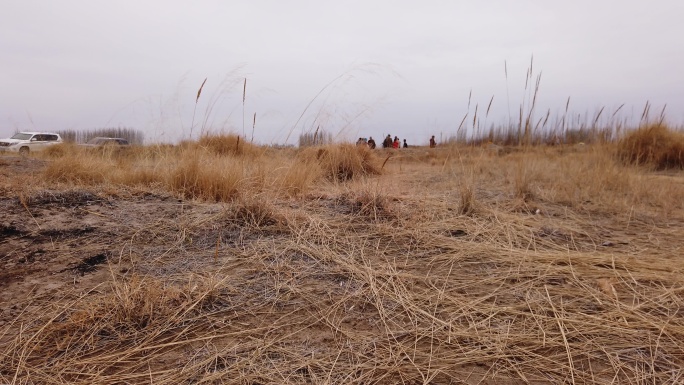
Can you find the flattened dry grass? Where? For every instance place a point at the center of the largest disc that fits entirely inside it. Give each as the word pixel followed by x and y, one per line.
pixel 347 301
pixel 432 273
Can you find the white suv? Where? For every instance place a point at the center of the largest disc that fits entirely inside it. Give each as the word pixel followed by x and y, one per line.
pixel 25 142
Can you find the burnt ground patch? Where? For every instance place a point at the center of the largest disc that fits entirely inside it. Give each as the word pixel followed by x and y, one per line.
pixel 71 198
pixel 66 233
pixel 9 230
pixel 32 256
pixel 89 264
pixel 16 273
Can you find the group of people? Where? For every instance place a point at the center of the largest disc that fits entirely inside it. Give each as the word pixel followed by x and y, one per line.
pixel 389 142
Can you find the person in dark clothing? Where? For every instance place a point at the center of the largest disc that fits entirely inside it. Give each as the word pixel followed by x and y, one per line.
pixel 371 143
pixel 433 142
pixel 387 143
pixel 405 144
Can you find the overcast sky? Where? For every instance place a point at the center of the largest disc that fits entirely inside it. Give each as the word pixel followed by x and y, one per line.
pixel 354 68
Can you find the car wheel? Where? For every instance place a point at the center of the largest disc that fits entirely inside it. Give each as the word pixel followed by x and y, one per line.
pixel 23 151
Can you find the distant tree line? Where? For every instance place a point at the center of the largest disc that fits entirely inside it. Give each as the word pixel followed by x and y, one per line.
pixel 81 136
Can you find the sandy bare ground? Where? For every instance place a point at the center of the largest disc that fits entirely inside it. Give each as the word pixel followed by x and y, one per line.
pixel 383 280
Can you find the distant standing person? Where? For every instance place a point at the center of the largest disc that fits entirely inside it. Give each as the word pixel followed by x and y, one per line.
pixel 405 144
pixel 395 144
pixel 387 143
pixel 371 143
pixel 433 143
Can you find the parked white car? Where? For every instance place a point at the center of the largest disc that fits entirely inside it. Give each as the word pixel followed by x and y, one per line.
pixel 26 142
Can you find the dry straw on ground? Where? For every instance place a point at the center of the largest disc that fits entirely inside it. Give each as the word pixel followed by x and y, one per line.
pixel 549 265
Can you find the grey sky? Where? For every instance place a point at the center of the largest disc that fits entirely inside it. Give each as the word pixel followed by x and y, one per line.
pixel 402 67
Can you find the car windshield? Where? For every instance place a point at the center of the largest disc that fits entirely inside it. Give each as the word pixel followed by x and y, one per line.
pixel 22 136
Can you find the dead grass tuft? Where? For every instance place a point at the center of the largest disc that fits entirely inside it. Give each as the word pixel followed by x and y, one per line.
pixel 59 150
pixel 297 177
pixel 467 200
pixel 78 170
pixel 655 145
pixel 255 213
pixel 524 177
pixel 370 204
pixel 205 177
pixel 227 145
pixel 343 162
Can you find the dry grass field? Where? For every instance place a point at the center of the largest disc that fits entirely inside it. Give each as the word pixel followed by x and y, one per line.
pixel 221 262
